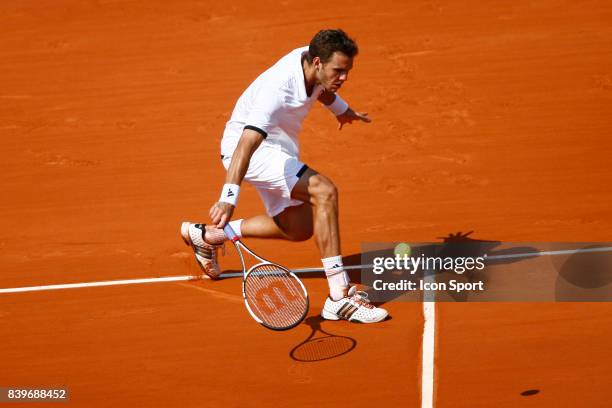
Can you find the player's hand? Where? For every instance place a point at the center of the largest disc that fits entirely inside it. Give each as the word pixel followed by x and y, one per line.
pixel 350 115
pixel 221 213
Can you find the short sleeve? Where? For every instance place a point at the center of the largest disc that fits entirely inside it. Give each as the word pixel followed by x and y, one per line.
pixel 264 111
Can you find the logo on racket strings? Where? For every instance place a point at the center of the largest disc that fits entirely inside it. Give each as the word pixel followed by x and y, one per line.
pixel 275 296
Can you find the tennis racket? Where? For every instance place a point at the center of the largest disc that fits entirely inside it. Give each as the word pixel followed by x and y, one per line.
pixel 273 295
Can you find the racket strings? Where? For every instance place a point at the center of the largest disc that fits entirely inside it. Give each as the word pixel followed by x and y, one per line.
pixel 276 297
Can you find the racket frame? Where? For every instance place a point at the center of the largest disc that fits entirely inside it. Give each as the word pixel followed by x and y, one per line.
pixel 233 237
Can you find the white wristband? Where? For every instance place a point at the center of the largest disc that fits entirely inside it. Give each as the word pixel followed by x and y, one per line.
pixel 229 194
pixel 338 106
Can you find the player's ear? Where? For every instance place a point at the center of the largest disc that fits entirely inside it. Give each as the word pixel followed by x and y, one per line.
pixel 316 62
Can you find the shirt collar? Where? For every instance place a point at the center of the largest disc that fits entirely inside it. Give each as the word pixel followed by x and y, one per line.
pixel 299 74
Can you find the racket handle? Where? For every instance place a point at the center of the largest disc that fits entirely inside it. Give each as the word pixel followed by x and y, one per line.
pixel 230 233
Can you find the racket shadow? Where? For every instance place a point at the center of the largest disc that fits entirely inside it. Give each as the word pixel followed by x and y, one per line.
pixel 323 347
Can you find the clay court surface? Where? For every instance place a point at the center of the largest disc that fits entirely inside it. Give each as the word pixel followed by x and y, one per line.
pixel 486 117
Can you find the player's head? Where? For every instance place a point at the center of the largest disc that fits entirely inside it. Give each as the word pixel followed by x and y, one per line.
pixel 331 52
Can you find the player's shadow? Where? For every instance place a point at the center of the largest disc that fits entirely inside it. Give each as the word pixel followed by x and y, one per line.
pixel 324 346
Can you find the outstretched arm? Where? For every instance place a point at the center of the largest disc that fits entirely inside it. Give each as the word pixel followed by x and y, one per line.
pixel 344 114
pixel 221 212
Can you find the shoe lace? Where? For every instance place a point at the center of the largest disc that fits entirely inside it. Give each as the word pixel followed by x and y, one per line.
pixel 361 298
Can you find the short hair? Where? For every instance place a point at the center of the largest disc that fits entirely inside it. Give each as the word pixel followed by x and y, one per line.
pixel 326 42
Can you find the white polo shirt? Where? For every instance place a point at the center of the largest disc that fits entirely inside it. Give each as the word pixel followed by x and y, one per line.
pixel 275 104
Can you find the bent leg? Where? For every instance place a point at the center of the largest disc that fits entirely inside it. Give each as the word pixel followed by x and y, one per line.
pixel 293 224
pixel 321 193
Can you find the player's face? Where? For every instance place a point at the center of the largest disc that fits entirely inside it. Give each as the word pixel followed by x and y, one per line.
pixel 333 73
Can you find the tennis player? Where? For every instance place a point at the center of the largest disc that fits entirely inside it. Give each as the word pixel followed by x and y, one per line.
pixel 260 145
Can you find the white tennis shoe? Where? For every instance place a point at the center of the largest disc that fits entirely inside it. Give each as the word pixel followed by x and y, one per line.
pixel 355 308
pixel 205 242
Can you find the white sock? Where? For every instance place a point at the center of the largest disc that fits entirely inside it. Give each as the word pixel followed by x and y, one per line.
pixel 337 278
pixel 236 226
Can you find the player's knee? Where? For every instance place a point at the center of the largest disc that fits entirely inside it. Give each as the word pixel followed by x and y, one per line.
pixel 325 192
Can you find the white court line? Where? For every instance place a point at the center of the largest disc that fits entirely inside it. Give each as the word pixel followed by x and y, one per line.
pixel 97 284
pixel 429 325
pixel 429 306
pixel 146 280
pixel 237 274
pixel 428 354
pixel 428 347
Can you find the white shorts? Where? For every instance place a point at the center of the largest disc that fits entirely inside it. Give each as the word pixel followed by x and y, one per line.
pixel 273 173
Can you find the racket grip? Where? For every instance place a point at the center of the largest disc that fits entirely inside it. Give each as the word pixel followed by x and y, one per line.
pixel 230 233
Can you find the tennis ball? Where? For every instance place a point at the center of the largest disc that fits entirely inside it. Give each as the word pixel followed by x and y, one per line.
pixel 402 249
